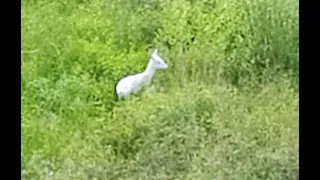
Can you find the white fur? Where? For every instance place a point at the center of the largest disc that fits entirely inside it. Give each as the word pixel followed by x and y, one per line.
pixel 134 83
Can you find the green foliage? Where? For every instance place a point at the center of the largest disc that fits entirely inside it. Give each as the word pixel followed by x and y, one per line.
pixel 226 108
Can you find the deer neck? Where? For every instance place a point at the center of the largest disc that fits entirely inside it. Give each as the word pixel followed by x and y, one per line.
pixel 150 71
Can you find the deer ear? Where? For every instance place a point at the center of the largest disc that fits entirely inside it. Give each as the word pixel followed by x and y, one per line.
pixel 155 51
pixel 150 52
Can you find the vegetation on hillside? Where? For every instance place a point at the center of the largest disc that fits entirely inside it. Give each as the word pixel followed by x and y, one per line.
pixel 226 108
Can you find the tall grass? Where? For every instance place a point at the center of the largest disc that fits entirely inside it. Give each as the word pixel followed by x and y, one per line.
pixel 227 107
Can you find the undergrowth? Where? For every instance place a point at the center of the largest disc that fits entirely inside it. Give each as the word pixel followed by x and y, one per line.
pixel 226 108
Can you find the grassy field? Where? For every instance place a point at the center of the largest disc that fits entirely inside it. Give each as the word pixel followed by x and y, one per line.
pixel 225 109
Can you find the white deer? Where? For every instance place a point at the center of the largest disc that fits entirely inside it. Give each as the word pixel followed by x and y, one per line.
pixel 134 83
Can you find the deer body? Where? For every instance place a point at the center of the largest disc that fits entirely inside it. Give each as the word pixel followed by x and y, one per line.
pixel 134 83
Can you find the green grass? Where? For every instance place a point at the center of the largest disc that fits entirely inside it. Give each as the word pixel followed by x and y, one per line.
pixel 226 108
